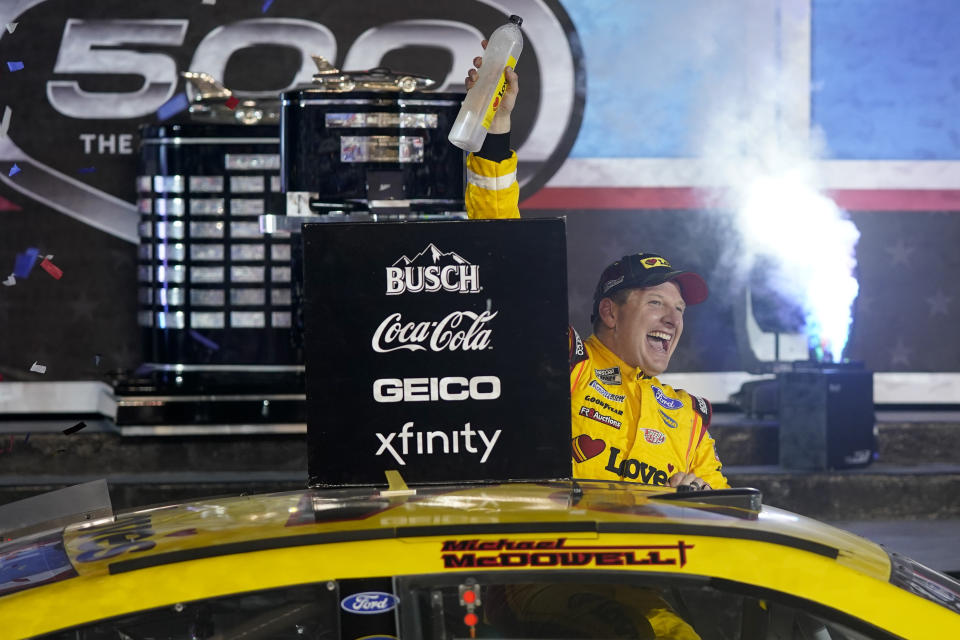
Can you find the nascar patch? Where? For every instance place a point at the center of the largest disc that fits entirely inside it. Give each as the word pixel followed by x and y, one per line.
pixel 608 376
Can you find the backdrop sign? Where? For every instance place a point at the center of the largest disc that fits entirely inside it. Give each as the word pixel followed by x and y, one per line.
pixel 94 71
pixel 437 349
pixel 90 73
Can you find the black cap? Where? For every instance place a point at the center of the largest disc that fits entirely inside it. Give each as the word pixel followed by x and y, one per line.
pixel 517 20
pixel 642 270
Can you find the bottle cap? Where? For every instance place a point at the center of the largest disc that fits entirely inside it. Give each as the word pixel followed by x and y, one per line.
pixel 517 20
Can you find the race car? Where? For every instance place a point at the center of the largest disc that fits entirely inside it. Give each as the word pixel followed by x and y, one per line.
pixel 514 560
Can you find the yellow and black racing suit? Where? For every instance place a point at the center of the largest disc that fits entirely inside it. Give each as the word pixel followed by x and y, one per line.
pixel 626 426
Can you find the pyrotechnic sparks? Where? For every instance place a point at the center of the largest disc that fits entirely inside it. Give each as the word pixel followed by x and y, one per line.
pixel 811 243
pixel 761 150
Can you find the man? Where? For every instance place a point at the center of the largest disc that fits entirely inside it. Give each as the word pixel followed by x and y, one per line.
pixel 627 425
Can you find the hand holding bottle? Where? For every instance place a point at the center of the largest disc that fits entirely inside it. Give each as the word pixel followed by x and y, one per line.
pixel 501 121
pixel 488 88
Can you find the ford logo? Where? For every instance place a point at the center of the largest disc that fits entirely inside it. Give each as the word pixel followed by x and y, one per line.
pixel 666 402
pixel 369 602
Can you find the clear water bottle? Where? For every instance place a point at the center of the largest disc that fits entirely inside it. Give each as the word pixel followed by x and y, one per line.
pixel 483 99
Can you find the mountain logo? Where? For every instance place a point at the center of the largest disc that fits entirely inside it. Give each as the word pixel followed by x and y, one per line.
pixel 432 270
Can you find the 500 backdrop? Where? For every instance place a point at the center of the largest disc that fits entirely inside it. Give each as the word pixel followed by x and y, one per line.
pixel 681 127
pixel 88 74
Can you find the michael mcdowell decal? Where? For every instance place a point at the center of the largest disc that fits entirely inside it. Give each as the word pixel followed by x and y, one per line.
pixel 557 552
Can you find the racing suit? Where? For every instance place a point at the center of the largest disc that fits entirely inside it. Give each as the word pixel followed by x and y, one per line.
pixel 626 425
pixel 629 426
pixel 617 414
pixel 492 189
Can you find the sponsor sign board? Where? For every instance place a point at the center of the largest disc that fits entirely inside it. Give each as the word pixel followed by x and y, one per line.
pixel 437 349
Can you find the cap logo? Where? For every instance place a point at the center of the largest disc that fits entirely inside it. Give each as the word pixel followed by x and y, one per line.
pixel 611 284
pixel 655 261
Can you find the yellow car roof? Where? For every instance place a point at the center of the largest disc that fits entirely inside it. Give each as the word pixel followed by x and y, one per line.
pixel 208 548
pixel 208 528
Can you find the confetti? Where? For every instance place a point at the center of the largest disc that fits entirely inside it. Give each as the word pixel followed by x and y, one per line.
pixel 10 281
pixel 173 106
pixel 204 340
pixel 232 102
pixel 11 26
pixel 266 5
pixel 5 124
pixel 27 439
pixel 14 65
pixel 52 269
pixel 36 367
pixel 71 430
pixel 14 170
pixel 87 169
pixel 96 360
pixel 6 205
pixel 24 262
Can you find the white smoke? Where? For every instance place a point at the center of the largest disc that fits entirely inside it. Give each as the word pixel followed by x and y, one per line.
pixel 763 159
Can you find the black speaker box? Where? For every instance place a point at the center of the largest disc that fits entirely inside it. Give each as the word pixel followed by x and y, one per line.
pixel 826 419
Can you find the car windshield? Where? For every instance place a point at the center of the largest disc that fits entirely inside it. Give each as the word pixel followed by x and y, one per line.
pixel 558 606
pixel 534 604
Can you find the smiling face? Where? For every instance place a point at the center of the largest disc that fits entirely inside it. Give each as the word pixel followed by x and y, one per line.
pixel 645 329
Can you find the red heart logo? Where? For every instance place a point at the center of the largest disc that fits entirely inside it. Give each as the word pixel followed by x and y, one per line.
pixel 585 447
pixel 669 467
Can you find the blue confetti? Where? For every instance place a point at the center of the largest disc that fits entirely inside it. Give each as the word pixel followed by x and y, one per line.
pixel 173 106
pixel 266 5
pixel 204 340
pixel 25 261
pixel 86 169
pixel 14 170
pixel 15 65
